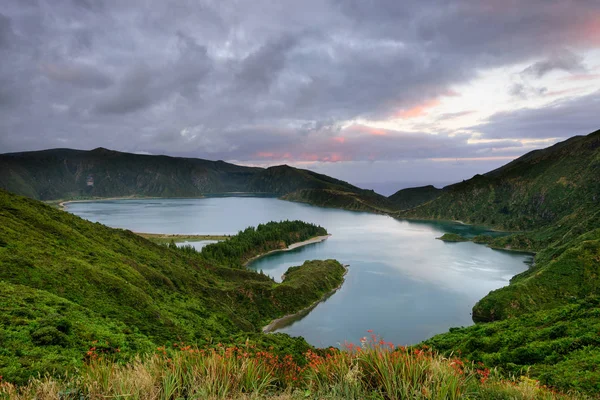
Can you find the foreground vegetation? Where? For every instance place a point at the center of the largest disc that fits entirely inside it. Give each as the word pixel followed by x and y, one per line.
pixel 560 346
pixel 65 282
pixel 373 370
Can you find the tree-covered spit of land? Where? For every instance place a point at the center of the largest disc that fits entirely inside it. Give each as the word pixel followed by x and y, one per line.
pixel 252 242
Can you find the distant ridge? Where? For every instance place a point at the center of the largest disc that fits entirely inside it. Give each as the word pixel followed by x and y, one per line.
pixel 411 197
pixel 100 173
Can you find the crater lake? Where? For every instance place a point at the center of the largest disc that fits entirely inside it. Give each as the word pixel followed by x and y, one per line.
pixel 402 283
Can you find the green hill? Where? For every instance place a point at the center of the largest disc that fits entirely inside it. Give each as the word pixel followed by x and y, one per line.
pixel 405 199
pixel 534 191
pixel 66 282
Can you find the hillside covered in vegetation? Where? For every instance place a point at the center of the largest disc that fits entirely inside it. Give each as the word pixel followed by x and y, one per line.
pixel 532 192
pixel 66 283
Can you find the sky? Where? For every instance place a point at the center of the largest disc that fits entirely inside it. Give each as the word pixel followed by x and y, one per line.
pixel 381 93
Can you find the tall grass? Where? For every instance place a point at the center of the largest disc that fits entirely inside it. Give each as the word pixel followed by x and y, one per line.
pixel 373 370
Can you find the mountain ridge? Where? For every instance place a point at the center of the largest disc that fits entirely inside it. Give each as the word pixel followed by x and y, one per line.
pixel 68 174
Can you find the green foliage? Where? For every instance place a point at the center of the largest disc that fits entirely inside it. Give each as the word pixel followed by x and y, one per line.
pixel 66 282
pixel 562 274
pixel 559 346
pixel 252 242
pixel 243 370
pixel 534 191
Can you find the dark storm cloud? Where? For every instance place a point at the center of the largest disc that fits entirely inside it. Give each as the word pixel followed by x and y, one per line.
pixel 561 119
pixel 233 80
pixel 6 33
pixel 564 61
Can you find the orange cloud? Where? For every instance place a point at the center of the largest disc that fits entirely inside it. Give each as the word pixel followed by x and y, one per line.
pixel 418 110
pixel 339 139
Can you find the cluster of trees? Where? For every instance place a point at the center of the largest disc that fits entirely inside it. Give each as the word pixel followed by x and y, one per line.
pixel 251 242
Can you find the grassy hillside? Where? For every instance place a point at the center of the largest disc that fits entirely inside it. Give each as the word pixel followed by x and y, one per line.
pixel 66 282
pixel 559 346
pixel 412 197
pixel 532 192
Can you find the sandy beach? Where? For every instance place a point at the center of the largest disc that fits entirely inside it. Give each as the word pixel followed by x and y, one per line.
pixel 293 246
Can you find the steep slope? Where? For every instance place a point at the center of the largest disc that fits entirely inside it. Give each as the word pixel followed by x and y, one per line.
pixel 532 192
pixel 405 199
pixel 66 282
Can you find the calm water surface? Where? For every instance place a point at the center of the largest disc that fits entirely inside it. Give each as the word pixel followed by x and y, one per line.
pixel 402 282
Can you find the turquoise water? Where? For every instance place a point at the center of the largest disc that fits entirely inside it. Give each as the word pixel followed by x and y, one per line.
pixel 402 283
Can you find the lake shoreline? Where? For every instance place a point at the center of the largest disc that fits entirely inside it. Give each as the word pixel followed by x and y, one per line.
pixel 63 203
pixel 316 239
pixel 179 237
pixel 275 324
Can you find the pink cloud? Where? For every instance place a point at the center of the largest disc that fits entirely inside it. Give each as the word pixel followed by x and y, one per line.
pixel 562 92
pixel 339 139
pixel 265 154
pixel 582 77
pixel 419 110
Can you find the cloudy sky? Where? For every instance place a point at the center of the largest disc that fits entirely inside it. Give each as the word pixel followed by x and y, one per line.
pixel 374 92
